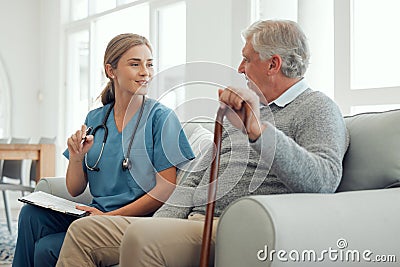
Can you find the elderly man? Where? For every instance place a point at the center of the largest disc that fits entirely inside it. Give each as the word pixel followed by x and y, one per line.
pixel 296 139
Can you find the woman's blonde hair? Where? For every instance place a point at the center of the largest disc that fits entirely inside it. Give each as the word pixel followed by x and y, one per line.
pixel 114 51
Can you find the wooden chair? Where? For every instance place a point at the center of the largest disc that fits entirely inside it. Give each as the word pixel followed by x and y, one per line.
pixel 32 174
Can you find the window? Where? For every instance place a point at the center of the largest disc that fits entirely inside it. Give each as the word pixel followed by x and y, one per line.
pixel 101 20
pixel 98 6
pixel 362 63
pixel 271 9
pixel 374 42
pixel 171 24
pixel 85 51
pixel 130 20
pixel 77 79
pixel 353 46
pixel 79 9
pixel 170 48
pixel 121 2
pixel 320 35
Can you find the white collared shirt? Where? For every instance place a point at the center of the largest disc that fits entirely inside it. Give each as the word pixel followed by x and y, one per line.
pixel 290 94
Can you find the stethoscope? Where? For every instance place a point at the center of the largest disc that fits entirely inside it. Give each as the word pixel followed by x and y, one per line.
pixel 126 163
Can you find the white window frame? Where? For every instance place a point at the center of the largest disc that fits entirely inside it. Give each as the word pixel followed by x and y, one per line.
pixel 343 93
pixel 87 23
pixel 154 21
pixel 81 26
pixel 155 6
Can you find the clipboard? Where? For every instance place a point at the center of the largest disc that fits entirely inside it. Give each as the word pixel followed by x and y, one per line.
pixel 49 201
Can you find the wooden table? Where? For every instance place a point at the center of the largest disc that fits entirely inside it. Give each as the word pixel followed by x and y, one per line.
pixel 43 153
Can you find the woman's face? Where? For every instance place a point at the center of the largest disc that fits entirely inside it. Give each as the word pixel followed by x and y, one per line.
pixel 134 70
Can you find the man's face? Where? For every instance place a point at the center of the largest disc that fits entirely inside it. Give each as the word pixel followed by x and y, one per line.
pixel 254 69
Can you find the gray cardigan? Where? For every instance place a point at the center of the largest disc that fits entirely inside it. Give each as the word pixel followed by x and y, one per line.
pixel 301 150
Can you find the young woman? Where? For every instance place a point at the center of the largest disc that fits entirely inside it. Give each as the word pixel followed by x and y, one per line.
pixel 128 158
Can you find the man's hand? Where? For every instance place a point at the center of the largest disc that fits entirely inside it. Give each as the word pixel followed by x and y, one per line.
pixel 242 108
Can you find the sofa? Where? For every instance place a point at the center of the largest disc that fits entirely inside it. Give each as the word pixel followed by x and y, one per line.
pixel 356 226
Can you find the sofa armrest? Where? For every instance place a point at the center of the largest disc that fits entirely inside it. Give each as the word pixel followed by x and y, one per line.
pixel 56 186
pixel 251 227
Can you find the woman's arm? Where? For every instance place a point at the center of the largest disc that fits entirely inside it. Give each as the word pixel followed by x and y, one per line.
pixel 76 179
pixel 148 203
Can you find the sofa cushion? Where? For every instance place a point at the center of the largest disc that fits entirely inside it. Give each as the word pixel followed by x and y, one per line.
pixel 199 139
pixel 372 160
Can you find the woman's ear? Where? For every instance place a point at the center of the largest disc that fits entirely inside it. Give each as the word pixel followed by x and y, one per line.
pixel 109 71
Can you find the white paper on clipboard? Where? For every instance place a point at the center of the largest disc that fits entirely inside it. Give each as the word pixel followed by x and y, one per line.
pixel 49 201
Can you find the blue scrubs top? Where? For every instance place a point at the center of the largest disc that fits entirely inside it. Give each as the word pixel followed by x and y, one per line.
pixel 159 143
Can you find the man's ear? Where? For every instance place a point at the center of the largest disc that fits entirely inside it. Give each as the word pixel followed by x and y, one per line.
pixel 275 63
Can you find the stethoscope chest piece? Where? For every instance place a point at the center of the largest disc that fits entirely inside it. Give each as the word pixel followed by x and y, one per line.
pixel 126 164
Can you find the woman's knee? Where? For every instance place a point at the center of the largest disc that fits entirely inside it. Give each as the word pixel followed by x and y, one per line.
pixel 27 211
pixel 47 249
pixel 30 214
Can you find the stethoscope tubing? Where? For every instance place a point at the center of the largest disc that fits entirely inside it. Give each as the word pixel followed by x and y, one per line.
pixel 126 162
pixel 101 126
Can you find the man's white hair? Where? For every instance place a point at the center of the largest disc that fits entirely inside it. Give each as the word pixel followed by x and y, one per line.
pixel 280 37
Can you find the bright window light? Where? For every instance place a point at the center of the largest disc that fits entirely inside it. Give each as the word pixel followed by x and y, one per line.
pixel 78 78
pixel 172 35
pixel 79 9
pixel 375 42
pixel 98 6
pixel 171 23
pixel 123 21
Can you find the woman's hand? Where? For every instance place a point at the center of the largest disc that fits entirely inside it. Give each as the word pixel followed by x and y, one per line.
pixel 92 211
pixel 79 144
pixel 242 108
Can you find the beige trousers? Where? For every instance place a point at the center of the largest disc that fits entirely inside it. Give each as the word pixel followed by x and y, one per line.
pixel 133 241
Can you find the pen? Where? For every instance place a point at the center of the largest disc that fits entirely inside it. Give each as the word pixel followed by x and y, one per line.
pixel 88 130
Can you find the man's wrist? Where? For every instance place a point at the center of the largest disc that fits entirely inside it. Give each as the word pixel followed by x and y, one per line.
pixel 253 137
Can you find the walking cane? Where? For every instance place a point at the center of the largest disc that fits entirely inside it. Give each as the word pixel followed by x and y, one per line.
pixel 212 190
pixel 212 186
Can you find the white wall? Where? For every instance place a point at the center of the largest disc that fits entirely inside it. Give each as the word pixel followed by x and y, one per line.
pixel 214 30
pixel 214 35
pixel 51 93
pixel 50 68
pixel 19 49
pixel 31 52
